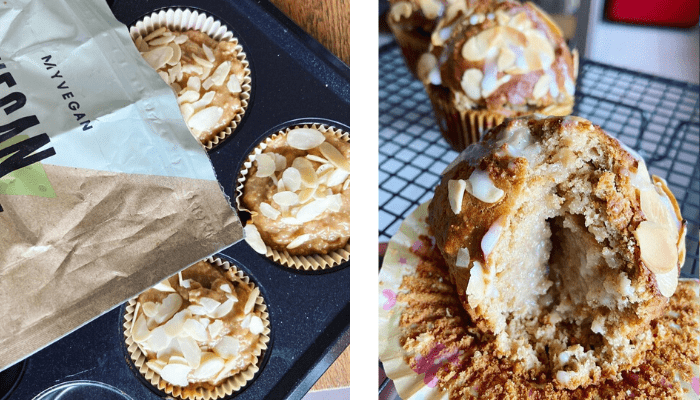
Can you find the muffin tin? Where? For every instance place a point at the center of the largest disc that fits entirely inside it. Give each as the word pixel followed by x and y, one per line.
pixel 295 81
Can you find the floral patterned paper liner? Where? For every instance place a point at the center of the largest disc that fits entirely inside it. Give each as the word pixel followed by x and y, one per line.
pixel 400 261
pixel 229 385
pixel 183 19
pixel 313 262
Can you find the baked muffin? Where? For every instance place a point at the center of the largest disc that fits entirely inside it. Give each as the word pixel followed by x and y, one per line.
pixel 199 334
pixel 297 190
pixel 431 349
pixel 413 21
pixel 210 78
pixel 497 60
pixel 560 245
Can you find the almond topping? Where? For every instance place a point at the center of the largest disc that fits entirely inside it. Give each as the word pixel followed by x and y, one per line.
pixel 280 161
pixel 157 57
pixel 298 241
pixel 658 250
pixel 233 85
pixel 308 175
pixel 455 193
pixel 269 211
pixel 304 138
pixel 312 210
pixel 252 237
pixel 180 39
pixel 205 119
pixel 204 101
pixel 176 374
pixel 334 156
pixel 292 179
pixel 471 83
pixel 541 87
pixel 194 83
pixel 252 299
pixel 208 53
pixel 202 62
pixel 161 41
pixel 338 177
pixel 221 72
pixel 286 198
pixel 155 34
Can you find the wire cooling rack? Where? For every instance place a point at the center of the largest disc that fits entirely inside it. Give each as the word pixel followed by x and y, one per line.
pixel 657 117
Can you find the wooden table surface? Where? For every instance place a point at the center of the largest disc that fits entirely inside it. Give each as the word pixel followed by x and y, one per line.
pixel 328 21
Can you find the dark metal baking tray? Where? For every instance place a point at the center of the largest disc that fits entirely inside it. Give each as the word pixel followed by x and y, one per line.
pixel 294 80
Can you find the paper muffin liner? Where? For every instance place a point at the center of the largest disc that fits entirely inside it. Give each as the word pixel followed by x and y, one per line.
pixel 460 128
pixel 183 19
pixel 227 386
pixel 401 261
pixel 412 43
pixel 282 257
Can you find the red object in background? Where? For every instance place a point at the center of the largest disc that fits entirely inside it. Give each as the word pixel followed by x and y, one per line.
pixel 669 13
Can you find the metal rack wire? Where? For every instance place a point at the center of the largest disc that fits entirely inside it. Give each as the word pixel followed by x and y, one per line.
pixel 660 118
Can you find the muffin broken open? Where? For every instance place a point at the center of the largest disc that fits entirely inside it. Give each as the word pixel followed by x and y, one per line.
pixel 560 245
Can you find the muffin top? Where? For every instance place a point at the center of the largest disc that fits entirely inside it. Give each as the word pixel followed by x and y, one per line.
pixel 553 230
pixel 199 327
pixel 506 57
pixel 298 192
pixel 207 76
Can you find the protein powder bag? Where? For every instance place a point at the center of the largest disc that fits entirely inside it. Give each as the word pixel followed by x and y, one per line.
pixel 103 190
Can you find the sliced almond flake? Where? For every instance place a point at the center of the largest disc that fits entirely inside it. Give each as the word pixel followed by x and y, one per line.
pixel 252 298
pixel 187 283
pixel 265 164
pixel 194 83
pixel 269 211
pixel 168 308
pixel 274 179
pixel 161 40
pixel 280 185
pixel 234 85
pixel 187 111
pixel 173 73
pixel 202 62
pixel 164 286
pixel 139 330
pixel 223 310
pixel 176 374
pixel 155 366
pixel 155 34
pixel 204 321
pixel 205 73
pixel 227 347
pixel 305 138
pixel 179 360
pixel 205 119
pixel 229 366
pixel 306 195
pixel 179 278
pixel 323 168
pixel 209 304
pixel 190 96
pixel 299 240
pixel 150 309
pixel 180 39
pixel 208 53
pixel 335 203
pixel 157 57
pixel 209 367
pixel 197 309
pixel 221 72
pixel 175 86
pixel 308 175
pixel 323 178
pixel 312 157
pixel 190 351
pixel 171 350
pixel 192 69
pixel 280 161
pixel 252 237
pixel 225 288
pixel 215 328
pixel 286 198
pixel 292 179
pixel 346 185
pixel 204 101
pixel 196 330
pixel 320 192
pixel 256 325
pixel 246 321
pixel 290 221
pixel 208 83
pixel 174 326
pixel 334 156
pixel 339 176
pixel 312 210
pixel 164 76
pixel 158 339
